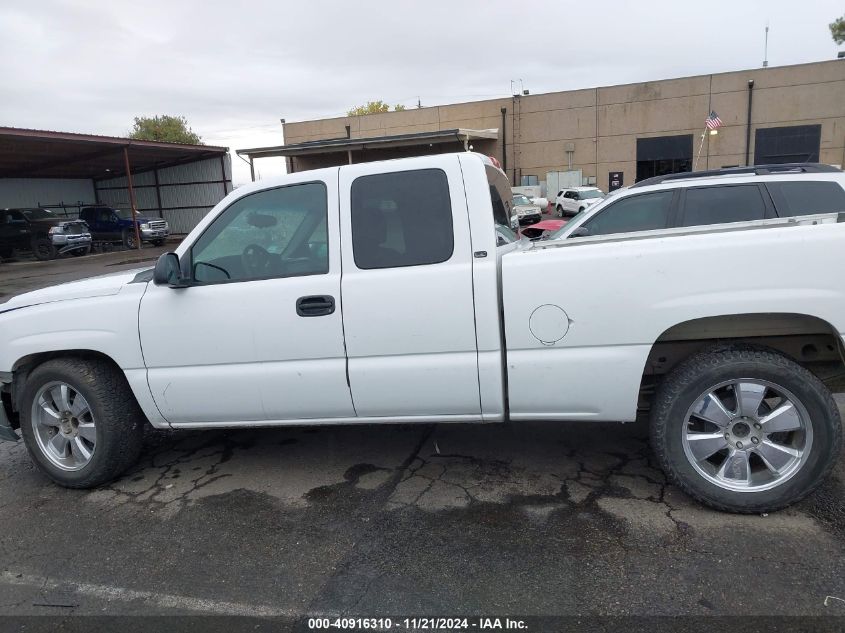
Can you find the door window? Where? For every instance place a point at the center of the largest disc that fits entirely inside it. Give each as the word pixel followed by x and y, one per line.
pixel 807 197
pixel 645 212
pixel 718 205
pixel 273 233
pixel 401 219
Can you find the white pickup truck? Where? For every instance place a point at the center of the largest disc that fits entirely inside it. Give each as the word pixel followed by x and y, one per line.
pixel 396 292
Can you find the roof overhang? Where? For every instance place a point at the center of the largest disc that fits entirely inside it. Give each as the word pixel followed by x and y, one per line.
pixel 332 145
pixel 46 154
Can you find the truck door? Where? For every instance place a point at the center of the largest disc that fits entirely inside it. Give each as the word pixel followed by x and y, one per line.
pixel 407 291
pixel 14 230
pixel 258 335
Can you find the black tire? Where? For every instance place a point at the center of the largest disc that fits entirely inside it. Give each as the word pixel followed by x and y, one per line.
pixel 580 209
pixel 6 253
pixel 713 366
pixel 559 210
pixel 43 249
pixel 81 252
pixel 129 239
pixel 119 420
pixel 158 242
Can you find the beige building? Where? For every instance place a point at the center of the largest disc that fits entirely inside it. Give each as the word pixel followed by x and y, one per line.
pixel 771 115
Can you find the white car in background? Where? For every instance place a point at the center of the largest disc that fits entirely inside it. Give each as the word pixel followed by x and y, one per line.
pixel 576 199
pixel 525 210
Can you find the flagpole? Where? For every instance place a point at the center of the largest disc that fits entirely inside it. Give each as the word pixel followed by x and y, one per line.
pixel 700 145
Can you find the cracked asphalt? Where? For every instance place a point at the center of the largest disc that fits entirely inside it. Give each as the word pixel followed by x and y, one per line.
pixel 522 519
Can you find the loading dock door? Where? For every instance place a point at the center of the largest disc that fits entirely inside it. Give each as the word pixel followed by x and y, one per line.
pixel 792 144
pixel 661 155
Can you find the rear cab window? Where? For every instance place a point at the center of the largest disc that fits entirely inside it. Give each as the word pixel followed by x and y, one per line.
pixel 807 197
pixel 401 218
pixel 501 200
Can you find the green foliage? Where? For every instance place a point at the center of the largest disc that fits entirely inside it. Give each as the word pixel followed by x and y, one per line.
pixel 837 30
pixel 171 129
pixel 373 107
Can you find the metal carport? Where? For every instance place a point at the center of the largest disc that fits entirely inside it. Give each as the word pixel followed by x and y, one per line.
pixel 64 171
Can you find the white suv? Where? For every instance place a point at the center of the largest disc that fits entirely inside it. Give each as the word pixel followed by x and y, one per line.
pixel 720 196
pixel 576 199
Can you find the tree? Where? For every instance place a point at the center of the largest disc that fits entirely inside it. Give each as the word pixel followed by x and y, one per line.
pixel 374 107
pixel 837 30
pixel 171 129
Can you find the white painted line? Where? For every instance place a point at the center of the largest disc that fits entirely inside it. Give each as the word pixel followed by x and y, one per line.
pixel 170 601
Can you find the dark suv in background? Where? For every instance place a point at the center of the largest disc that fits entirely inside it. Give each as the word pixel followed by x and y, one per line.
pixel 43 233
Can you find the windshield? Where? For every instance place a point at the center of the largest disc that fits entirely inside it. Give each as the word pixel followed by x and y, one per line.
pixel 39 214
pixel 126 214
pixel 576 218
pixel 590 194
pixel 520 200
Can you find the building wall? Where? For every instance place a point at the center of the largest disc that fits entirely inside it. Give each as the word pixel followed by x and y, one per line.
pixel 186 192
pixel 46 192
pixel 604 123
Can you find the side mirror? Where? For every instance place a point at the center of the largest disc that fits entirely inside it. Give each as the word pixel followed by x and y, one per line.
pixel 167 272
pixel 581 231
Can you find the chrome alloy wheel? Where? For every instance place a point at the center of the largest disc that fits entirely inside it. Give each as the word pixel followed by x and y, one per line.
pixel 64 426
pixel 747 435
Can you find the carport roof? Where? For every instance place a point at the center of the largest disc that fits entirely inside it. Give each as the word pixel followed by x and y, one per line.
pixel 326 146
pixel 45 154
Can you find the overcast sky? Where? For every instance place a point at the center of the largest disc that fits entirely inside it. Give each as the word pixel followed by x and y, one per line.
pixel 235 68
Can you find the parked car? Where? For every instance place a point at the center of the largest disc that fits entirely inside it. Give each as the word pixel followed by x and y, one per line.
pixel 542 230
pixel 715 332
pixel 525 210
pixel 115 225
pixel 576 199
pixel 679 201
pixel 43 233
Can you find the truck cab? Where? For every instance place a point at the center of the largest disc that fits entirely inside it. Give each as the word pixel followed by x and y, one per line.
pixel 109 224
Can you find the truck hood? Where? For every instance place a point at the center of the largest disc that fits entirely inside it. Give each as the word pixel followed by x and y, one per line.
pixel 84 289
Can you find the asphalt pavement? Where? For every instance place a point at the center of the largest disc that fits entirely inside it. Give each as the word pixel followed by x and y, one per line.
pixel 514 519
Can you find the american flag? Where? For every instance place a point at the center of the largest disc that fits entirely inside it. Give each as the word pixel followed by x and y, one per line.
pixel 712 121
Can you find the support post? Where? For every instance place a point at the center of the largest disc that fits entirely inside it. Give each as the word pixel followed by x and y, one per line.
pixel 251 169
pixel 158 194
pixel 223 175
pixel 132 198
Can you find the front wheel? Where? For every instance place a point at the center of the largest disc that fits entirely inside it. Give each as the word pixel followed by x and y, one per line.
pixel 745 429
pixel 81 252
pixel 158 242
pixel 80 421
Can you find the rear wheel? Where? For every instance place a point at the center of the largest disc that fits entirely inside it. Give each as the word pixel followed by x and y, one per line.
pixel 43 249
pixel 745 429
pixel 80 421
pixel 559 210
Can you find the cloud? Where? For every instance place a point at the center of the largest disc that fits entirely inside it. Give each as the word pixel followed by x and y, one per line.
pixel 234 69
